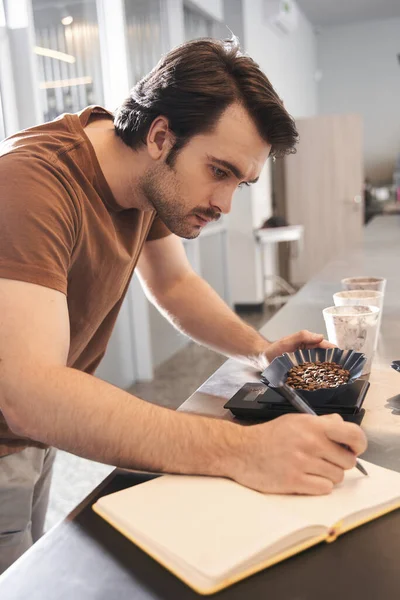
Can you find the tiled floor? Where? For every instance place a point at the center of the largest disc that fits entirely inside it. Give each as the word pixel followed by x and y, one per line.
pixel 174 382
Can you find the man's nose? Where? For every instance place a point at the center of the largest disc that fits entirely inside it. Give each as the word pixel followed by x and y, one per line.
pixel 223 202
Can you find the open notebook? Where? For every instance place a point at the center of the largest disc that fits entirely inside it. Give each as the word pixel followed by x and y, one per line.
pixel 211 532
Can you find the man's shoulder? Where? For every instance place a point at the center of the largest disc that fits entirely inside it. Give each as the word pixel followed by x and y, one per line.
pixel 31 171
pixel 48 141
pixel 43 142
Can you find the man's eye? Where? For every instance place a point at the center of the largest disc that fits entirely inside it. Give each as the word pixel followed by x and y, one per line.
pixel 218 173
pixel 242 184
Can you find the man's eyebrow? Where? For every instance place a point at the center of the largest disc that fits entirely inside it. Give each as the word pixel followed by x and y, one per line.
pixel 230 166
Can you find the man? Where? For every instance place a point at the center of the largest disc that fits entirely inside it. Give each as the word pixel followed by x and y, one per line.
pixel 87 198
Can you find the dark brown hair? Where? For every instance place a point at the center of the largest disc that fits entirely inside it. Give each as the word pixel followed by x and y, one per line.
pixel 192 85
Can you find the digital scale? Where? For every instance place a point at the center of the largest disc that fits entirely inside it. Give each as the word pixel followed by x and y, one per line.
pixel 257 402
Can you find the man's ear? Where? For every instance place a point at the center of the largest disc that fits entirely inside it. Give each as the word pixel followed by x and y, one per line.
pixel 160 138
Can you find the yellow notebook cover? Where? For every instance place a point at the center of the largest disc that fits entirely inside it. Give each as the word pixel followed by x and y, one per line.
pixel 191 525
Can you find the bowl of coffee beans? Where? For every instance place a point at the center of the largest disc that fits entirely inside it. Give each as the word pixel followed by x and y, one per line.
pixel 318 374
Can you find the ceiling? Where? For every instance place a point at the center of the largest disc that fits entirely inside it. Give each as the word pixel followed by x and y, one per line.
pixel 329 13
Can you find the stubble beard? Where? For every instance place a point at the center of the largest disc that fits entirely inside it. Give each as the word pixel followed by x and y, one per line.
pixel 162 191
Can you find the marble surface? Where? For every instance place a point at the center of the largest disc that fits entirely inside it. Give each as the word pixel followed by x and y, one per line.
pixel 377 257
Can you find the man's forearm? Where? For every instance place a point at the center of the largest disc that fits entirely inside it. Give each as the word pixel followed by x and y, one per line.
pixel 197 310
pixel 76 412
pixel 63 407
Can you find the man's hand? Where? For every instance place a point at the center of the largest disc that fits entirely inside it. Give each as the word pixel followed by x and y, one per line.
pixel 300 340
pixel 297 454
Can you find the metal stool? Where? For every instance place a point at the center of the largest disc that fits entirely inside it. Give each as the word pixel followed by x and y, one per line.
pixel 274 235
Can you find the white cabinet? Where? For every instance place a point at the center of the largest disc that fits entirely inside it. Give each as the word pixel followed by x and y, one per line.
pixel 320 187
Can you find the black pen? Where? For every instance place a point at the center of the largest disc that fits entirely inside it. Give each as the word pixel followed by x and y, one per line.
pixel 302 406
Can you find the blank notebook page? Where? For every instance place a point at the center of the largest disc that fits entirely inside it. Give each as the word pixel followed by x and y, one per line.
pixel 214 524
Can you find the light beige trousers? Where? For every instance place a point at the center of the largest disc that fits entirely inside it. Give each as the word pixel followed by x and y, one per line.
pixel 24 494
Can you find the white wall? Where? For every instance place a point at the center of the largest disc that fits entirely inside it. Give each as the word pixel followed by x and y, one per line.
pixel 212 8
pixel 361 73
pixel 288 60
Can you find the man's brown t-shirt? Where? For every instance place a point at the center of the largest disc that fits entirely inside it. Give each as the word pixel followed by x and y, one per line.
pixel 60 227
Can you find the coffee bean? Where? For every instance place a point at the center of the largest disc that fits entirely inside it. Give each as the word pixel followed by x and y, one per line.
pixel 312 376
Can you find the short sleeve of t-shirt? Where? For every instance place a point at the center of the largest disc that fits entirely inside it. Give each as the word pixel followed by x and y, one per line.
pixel 157 230
pixel 39 222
